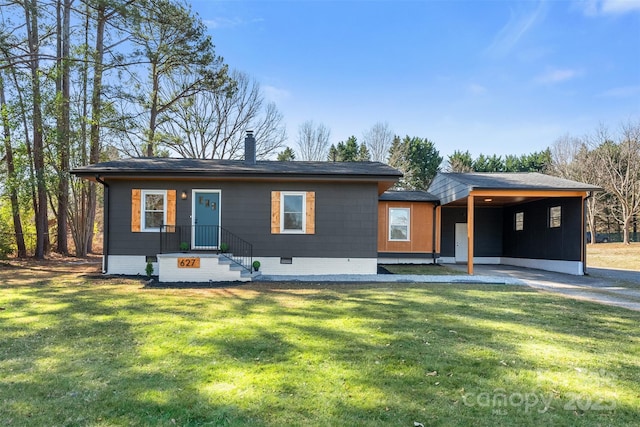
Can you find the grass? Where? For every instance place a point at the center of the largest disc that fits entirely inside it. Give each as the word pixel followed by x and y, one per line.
pixel 614 255
pixel 83 350
pixel 430 269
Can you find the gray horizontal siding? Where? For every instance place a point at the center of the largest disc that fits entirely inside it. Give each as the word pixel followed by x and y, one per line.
pixel 346 218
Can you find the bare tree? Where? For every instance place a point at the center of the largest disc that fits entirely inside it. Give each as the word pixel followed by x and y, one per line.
pixel 212 124
pixel 313 141
pixel 564 153
pixel 378 140
pixel 620 166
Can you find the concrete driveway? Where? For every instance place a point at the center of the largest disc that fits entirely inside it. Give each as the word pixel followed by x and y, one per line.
pixel 606 286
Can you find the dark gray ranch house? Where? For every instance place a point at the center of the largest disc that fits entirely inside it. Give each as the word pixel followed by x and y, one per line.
pixel 293 217
pixel 210 220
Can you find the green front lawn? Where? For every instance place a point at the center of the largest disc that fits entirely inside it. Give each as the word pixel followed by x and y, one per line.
pixel 429 269
pixel 88 351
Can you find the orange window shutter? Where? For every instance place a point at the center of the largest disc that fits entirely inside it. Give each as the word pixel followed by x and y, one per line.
pixel 311 213
pixel 275 212
pixel 135 210
pixel 171 211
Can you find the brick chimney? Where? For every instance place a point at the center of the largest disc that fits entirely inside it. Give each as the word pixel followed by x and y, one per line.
pixel 249 149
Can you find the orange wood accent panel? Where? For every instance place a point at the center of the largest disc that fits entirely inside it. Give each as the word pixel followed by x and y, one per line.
pixel 275 212
pixel 420 228
pixel 171 211
pixel 311 213
pixel 135 210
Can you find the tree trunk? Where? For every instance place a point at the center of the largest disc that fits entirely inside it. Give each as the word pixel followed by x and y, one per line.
pixel 63 134
pixel 96 117
pixel 154 110
pixel 11 182
pixel 41 220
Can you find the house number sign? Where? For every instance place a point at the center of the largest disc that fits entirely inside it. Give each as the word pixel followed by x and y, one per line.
pixel 188 262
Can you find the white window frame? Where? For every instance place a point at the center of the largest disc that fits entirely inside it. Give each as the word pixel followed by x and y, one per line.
pixel 408 239
pixel 143 209
pixel 517 222
pixel 302 194
pixel 552 216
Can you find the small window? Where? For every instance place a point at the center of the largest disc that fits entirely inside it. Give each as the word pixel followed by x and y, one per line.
pixel 399 224
pixel 519 221
pixel 555 216
pixel 154 210
pixel 293 212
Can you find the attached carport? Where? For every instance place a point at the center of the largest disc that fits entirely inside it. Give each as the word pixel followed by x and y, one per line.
pixel 524 219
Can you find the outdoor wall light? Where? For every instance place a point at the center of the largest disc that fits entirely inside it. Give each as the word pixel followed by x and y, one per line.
pixel 183 195
pixel 488 199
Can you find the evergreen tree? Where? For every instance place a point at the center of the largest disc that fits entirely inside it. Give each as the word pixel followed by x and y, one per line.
pixel 333 154
pixel 418 160
pixel 287 155
pixel 460 162
pixel 363 154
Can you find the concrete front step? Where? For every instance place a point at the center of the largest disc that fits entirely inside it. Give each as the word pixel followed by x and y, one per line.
pixel 200 268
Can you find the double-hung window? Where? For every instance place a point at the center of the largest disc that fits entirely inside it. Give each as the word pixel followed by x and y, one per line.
pixel 519 221
pixel 154 209
pixel 399 219
pixel 555 216
pixel 293 212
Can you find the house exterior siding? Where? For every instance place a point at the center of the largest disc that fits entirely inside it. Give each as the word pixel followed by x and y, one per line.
pixel 421 239
pixel 495 235
pixel 488 228
pixel 447 189
pixel 345 217
pixel 537 240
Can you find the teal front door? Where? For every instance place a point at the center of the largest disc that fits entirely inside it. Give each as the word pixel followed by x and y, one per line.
pixel 206 219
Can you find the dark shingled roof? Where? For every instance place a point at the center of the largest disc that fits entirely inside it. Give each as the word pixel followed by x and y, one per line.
pixel 408 196
pixel 145 167
pixel 517 181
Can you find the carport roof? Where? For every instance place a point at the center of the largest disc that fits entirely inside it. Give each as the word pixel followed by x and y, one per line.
pixel 449 187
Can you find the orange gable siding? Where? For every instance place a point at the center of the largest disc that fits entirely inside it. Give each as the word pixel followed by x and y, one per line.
pixel 420 228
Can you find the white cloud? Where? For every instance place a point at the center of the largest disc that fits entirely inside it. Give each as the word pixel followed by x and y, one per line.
pixel 613 7
pixel 520 22
pixel 220 22
pixel 557 75
pixel 275 94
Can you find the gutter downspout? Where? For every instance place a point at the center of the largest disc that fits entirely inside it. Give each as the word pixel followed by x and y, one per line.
pixel 584 239
pixel 433 233
pixel 105 231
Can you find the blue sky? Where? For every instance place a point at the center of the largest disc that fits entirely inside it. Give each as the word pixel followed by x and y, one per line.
pixel 492 77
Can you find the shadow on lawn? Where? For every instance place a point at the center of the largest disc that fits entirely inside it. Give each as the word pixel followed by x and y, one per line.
pixel 271 354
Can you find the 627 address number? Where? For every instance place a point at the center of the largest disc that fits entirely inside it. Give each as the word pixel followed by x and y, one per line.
pixel 188 262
